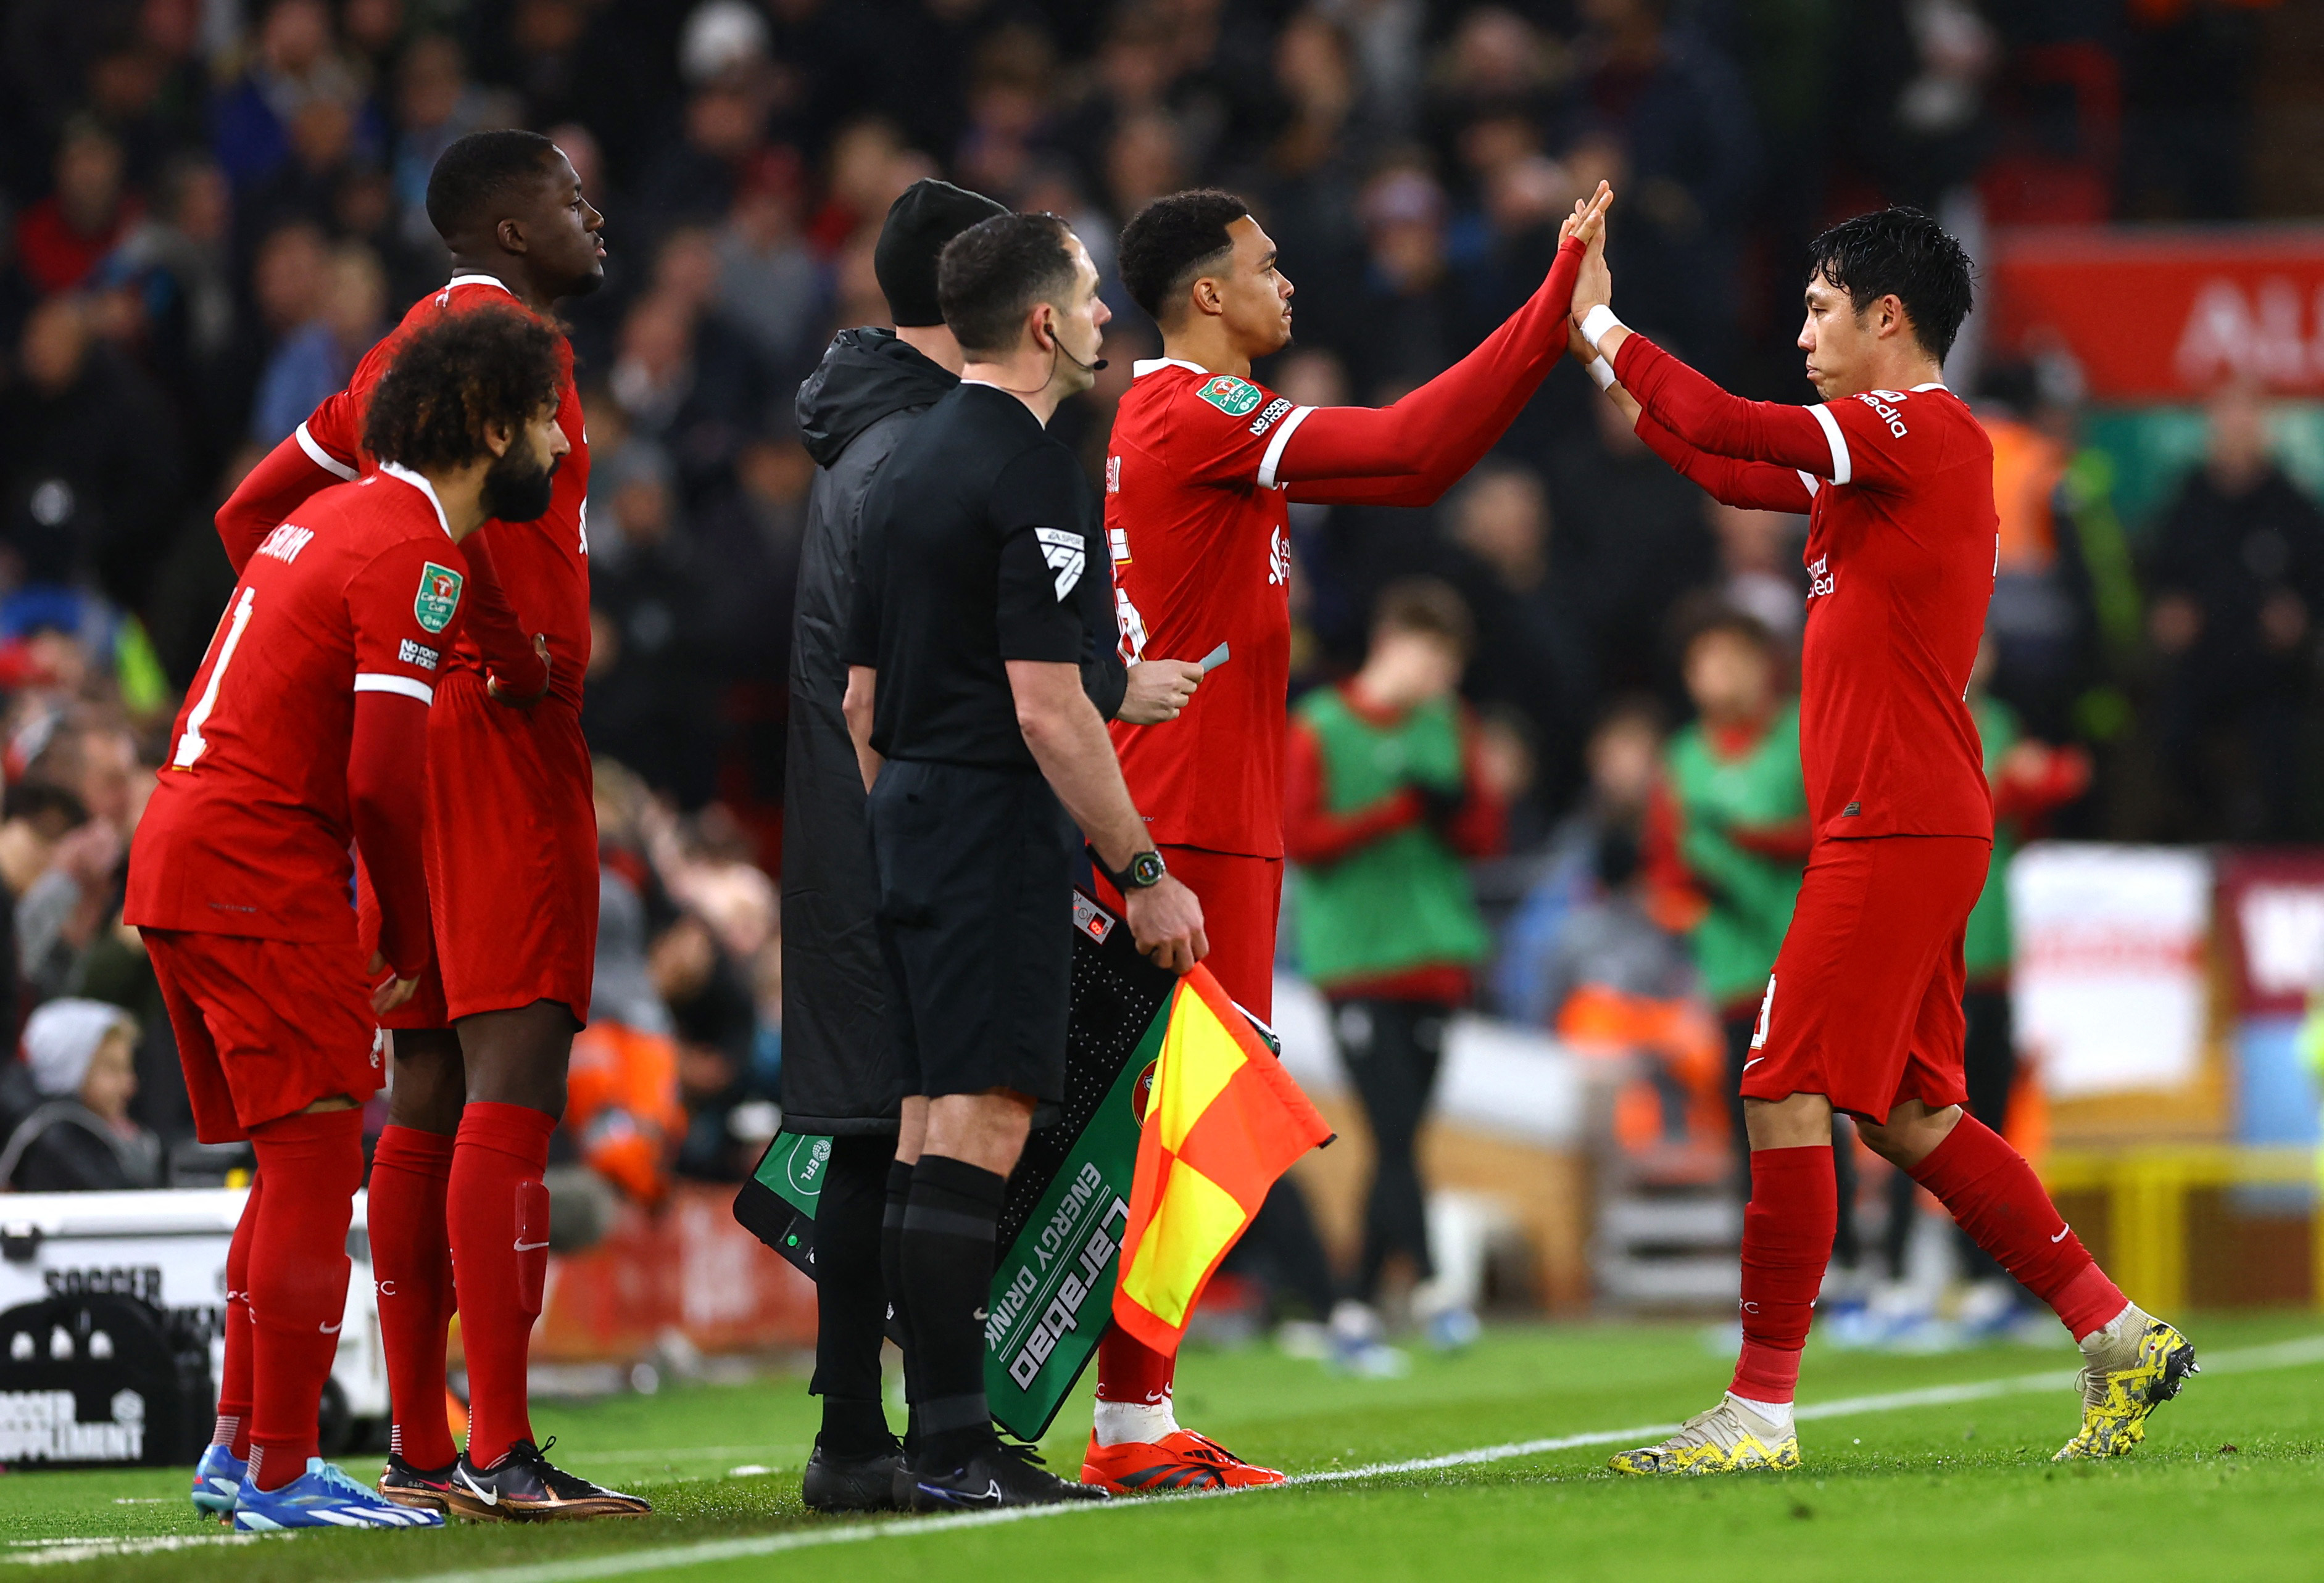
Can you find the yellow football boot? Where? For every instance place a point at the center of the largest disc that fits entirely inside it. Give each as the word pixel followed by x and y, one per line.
pixel 1729 1438
pixel 2140 1364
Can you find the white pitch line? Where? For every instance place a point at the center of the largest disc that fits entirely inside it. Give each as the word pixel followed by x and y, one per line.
pixel 2296 1354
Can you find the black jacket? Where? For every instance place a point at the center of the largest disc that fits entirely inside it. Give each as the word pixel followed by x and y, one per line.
pixel 842 1073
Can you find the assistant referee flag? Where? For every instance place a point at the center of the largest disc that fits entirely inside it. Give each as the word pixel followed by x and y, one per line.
pixel 1223 1120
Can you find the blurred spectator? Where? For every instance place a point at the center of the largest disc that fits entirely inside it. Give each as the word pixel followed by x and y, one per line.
pixel 435 106
pixel 1759 564
pixel 716 1019
pixel 768 278
pixel 176 262
pixel 61 238
pixel 35 818
pixel 314 359
pixel 648 703
pixel 1637 532
pixel 1624 758
pixel 63 911
pixel 1410 300
pixel 2237 573
pixel 78 1055
pixel 1533 641
pixel 88 459
pixel 294 64
pixel 1727 837
pixel 1690 159
pixel 1386 792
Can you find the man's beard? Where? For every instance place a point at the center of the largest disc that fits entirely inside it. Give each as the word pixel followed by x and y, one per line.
pixel 518 490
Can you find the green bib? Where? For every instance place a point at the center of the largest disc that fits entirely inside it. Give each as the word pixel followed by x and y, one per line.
pixel 1402 902
pixel 1751 896
pixel 1986 946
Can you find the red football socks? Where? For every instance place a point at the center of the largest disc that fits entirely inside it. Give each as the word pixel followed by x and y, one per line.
pixel 1997 1200
pixel 233 1431
pixel 1128 1370
pixel 497 1214
pixel 412 1264
pixel 297 1281
pixel 1787 1231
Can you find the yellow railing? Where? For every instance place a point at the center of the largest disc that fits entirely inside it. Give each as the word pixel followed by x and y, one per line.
pixel 2147 1187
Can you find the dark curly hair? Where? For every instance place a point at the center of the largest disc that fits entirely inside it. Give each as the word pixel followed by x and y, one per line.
pixel 1167 243
pixel 1902 251
pixel 486 365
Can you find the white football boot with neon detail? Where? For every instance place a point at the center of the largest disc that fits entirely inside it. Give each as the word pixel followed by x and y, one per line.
pixel 1733 1437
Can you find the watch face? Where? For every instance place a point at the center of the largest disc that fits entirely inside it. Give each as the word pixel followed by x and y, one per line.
pixel 1146 870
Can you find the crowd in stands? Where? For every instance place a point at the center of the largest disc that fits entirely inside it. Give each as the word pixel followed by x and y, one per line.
pixel 210 208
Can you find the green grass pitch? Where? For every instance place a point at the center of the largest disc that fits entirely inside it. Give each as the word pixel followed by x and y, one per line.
pixel 1952 1482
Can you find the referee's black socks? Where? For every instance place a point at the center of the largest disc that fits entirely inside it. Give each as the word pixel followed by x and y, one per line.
pixel 891 1276
pixel 947 1268
pixel 852 1298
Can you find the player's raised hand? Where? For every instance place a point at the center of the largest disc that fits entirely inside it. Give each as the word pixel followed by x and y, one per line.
pixel 1166 921
pixel 1595 286
pixel 1158 689
pixel 1588 220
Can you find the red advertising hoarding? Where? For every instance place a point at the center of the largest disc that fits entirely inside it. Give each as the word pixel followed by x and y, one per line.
pixel 2164 313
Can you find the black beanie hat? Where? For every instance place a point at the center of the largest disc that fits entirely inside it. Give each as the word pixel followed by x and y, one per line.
pixel 930 214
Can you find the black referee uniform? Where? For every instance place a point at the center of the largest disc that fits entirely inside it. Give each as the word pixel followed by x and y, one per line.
pixel 982 543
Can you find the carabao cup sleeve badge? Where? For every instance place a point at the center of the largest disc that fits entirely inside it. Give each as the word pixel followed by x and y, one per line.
pixel 438 596
pixel 1230 395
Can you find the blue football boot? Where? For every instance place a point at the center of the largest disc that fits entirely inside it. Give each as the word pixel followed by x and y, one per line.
pixel 323 1497
pixel 217 1479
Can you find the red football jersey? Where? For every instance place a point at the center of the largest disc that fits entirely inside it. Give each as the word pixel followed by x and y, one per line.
pixel 1201 556
pixel 543 566
pixel 1903 545
pixel 248 829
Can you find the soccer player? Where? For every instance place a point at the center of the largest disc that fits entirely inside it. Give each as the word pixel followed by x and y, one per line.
pixel 1863 1012
pixel 1202 465
pixel 481 1050
pixel 302 732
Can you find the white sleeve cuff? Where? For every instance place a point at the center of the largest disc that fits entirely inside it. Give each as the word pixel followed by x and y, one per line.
pixel 1274 457
pixel 372 681
pixel 1602 369
pixel 1841 471
pixel 323 458
pixel 1596 322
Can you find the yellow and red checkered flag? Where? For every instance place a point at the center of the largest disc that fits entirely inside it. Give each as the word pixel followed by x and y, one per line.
pixel 1224 1122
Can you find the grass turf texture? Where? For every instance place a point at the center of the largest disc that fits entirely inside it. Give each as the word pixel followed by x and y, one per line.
pixel 1952 1491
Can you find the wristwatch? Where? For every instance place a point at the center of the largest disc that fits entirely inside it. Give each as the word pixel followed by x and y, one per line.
pixel 1144 873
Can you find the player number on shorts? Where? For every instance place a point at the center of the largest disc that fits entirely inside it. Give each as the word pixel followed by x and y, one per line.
pixel 190 745
pixel 1767 1009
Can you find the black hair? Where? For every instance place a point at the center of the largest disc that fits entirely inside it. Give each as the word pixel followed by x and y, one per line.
pixel 1905 252
pixel 486 365
pixel 478 174
pixel 996 270
pixel 39 799
pixel 1168 242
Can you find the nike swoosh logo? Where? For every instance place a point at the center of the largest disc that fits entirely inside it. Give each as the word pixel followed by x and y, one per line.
pixel 490 1497
pixel 981 1316
pixel 1754 1061
pixel 531 1246
pixel 2060 1236
pixel 990 1497
pixel 332 1329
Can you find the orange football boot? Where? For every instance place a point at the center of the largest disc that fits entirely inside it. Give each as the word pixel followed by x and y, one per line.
pixel 1180 1461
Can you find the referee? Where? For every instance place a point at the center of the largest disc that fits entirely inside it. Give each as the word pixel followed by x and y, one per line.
pixel 981 593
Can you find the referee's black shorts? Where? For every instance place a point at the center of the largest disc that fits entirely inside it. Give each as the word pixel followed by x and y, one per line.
pixel 976 874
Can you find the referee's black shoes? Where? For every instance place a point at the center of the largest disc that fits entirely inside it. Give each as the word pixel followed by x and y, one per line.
pixel 996 1475
pixel 872 1483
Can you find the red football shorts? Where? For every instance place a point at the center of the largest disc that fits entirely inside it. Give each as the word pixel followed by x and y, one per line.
pixel 265 1027
pixel 511 847
pixel 1241 897
pixel 1865 1003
